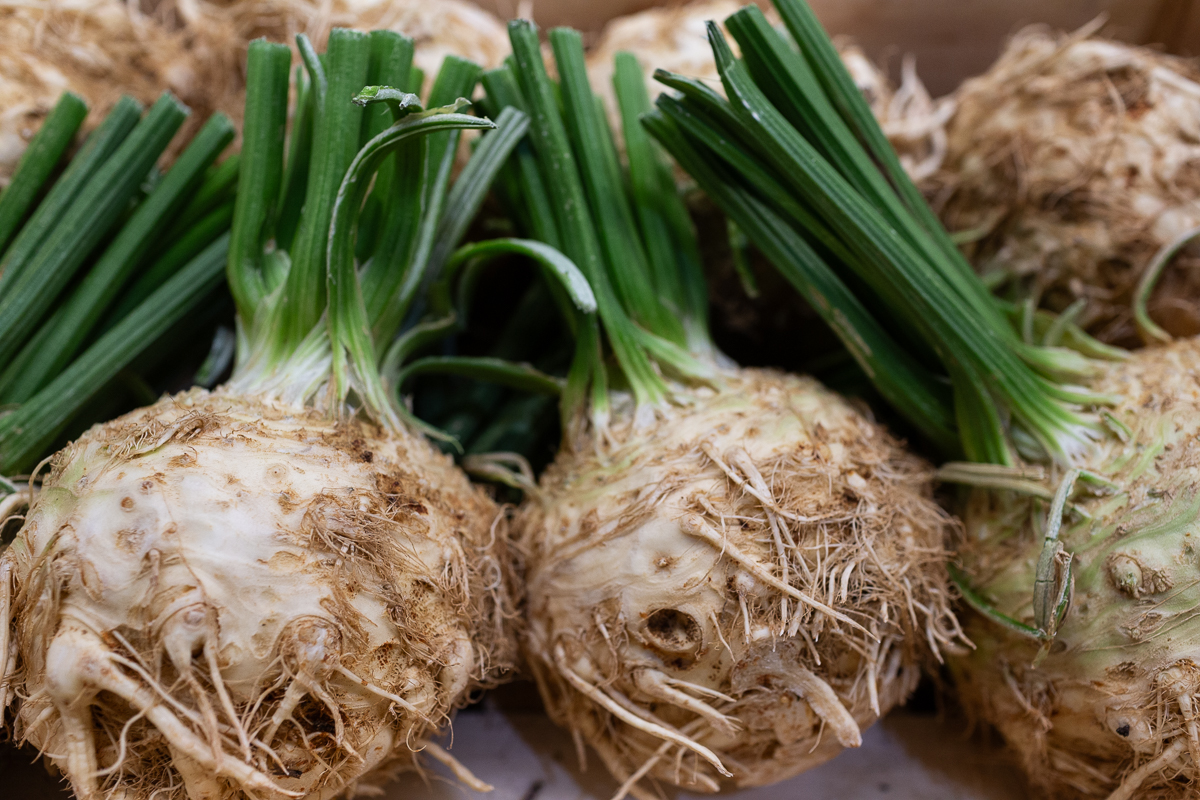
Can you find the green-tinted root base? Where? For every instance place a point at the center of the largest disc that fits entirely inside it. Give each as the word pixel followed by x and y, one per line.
pixel 1112 709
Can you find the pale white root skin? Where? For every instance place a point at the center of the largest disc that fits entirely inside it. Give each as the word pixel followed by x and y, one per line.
pixel 1072 160
pixel 665 621
pixel 1112 710
pixel 673 38
pixel 215 597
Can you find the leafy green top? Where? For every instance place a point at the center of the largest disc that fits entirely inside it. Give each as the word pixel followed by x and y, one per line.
pixel 627 230
pixel 335 249
pixel 795 157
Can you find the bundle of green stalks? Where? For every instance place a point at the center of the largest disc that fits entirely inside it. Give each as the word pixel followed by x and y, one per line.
pixel 1080 462
pixel 755 316
pixel 102 257
pixel 672 36
pixel 280 587
pixel 730 573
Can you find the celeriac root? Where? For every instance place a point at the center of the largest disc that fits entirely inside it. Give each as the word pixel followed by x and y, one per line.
pixel 1069 163
pixel 217 597
pixel 1134 780
pixel 656 684
pixel 734 593
pixel 1113 703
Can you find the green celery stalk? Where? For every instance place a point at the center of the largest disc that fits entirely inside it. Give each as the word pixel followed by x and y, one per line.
pixel 44 152
pixel 26 433
pixel 73 321
pixel 336 128
pixel 96 149
pixel 92 215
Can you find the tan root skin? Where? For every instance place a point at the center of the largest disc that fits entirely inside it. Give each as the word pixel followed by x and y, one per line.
pixel 1120 686
pixel 264 602
pixel 1073 160
pixel 666 625
pixel 438 29
pixel 674 38
pixel 97 49
pixel 196 49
